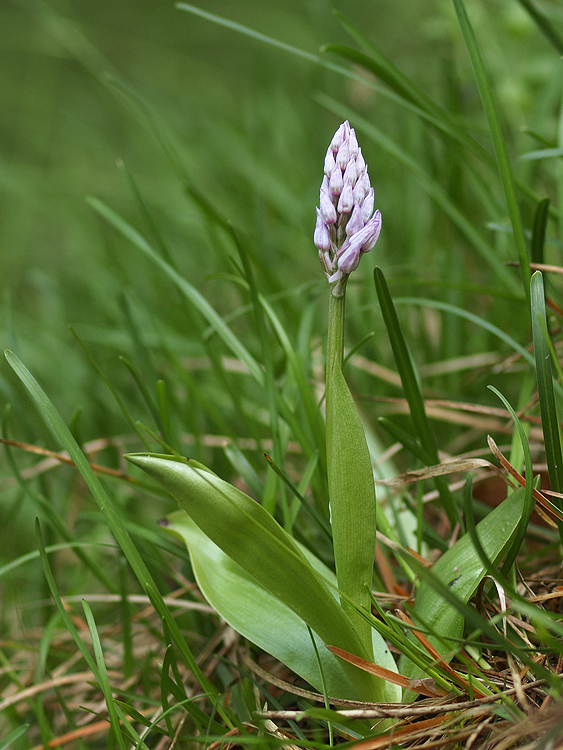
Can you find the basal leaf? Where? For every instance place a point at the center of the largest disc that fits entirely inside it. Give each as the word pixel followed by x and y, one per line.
pixel 261 617
pixel 251 537
pixel 461 570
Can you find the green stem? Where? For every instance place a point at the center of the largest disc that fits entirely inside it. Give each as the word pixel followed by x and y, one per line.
pixel 335 338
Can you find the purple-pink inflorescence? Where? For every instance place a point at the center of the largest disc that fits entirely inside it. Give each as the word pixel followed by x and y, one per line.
pixel 346 225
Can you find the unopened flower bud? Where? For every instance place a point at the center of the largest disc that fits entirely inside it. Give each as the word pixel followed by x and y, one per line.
pixel 361 187
pixel 346 200
pixel 349 176
pixel 367 206
pixel 336 182
pixel 353 144
pixel 328 211
pixel 360 163
pixel 338 137
pixel 329 162
pixel 343 156
pixel 322 235
pixel 374 226
pixel 355 222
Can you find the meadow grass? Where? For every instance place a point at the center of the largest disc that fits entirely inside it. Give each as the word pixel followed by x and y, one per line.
pixel 161 169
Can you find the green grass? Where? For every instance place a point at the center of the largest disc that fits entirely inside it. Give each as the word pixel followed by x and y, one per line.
pixel 159 170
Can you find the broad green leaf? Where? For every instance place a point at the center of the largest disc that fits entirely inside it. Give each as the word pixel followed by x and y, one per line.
pixel 350 481
pixel 461 570
pixel 261 617
pixel 251 537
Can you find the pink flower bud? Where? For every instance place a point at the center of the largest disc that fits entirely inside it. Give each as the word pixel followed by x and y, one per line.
pixel 367 206
pixel 353 143
pixel 335 182
pixel 346 200
pixel 361 187
pixel 321 238
pixel 343 156
pixel 349 259
pixel 329 162
pixel 349 176
pixel 338 137
pixel 355 222
pixel 360 163
pixel 372 230
pixel 328 211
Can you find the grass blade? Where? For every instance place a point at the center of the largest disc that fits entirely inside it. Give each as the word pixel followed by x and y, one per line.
pixel 14 735
pixel 110 511
pixel 381 66
pixel 215 320
pixel 483 322
pixel 103 679
pixel 499 141
pixel 541 217
pixel 529 502
pixel 59 603
pixel 550 420
pixel 544 25
pixel 412 389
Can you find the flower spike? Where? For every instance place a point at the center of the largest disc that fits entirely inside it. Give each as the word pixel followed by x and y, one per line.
pixel 346 226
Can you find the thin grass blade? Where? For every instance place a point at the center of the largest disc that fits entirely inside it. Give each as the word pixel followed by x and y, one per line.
pixel 224 332
pixel 544 24
pixel 412 389
pixel 528 505
pixel 111 513
pixel 499 141
pixel 59 603
pixel 550 419
pixel 103 679
pixel 12 736
pixel 539 229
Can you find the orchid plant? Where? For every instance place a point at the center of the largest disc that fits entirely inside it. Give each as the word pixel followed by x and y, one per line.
pixel 247 565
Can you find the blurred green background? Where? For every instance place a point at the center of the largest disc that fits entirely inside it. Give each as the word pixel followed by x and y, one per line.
pixel 177 99
pixel 245 122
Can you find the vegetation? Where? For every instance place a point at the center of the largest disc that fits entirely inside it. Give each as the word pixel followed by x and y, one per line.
pixel 198 328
